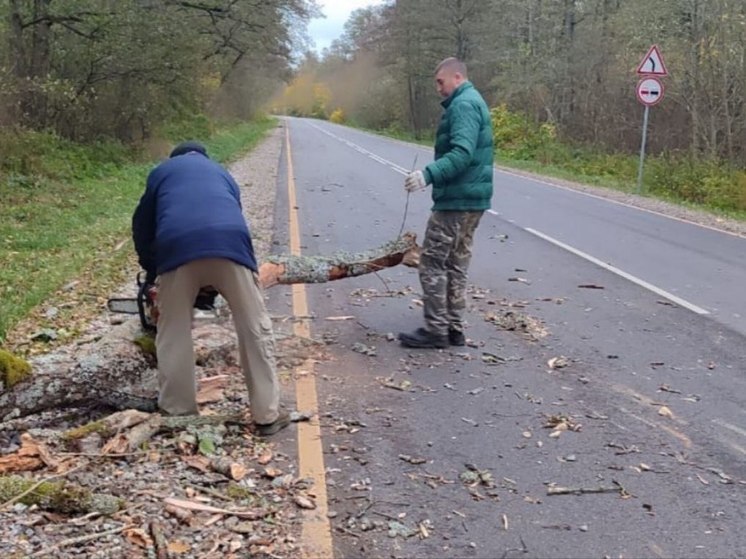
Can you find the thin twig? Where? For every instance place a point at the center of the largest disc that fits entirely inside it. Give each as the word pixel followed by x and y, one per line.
pixel 36 486
pixel 120 455
pixel 79 539
pixel 159 540
pixel 348 532
pixel 208 491
pixel 385 515
pixel 383 281
pixel 580 490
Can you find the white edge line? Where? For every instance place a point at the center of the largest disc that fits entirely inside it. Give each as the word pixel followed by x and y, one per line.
pixel 549 183
pixel 657 290
pixel 642 283
pixel 617 202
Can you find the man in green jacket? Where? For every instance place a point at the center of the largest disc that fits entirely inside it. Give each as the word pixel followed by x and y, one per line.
pixel 461 179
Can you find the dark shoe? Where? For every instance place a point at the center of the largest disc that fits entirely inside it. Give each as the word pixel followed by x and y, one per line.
pixel 456 337
pixel 267 429
pixel 421 338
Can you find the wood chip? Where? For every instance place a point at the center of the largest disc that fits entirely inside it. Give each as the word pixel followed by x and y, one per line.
pixel 265 457
pixel 304 502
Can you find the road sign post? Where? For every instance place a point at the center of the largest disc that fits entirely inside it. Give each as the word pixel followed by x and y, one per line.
pixel 642 147
pixel 649 92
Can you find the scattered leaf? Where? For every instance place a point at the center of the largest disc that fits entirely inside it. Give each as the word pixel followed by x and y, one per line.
pixel 138 537
pixel 272 472
pixel 238 471
pixel 206 445
pixel 201 463
pixel 265 457
pixel 178 547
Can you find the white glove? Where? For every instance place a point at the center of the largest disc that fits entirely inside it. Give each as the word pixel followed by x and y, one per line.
pixel 415 181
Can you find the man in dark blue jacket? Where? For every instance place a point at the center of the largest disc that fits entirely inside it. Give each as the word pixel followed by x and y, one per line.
pixel 190 232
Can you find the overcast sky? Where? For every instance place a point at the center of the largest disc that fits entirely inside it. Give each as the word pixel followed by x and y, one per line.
pixel 324 30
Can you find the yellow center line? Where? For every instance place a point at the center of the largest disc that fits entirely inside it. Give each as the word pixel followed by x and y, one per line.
pixel 316 534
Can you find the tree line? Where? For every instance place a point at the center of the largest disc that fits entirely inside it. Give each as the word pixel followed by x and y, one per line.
pixel 568 64
pixel 87 69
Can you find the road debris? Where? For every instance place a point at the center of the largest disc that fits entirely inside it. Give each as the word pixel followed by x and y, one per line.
pixel 412 459
pixel 617 488
pixel 370 351
pixel 560 423
pixel 559 362
pixel 665 412
pixel 515 321
pixel 403 385
pixel 473 477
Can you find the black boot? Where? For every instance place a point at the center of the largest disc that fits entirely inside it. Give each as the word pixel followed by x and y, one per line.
pixel 422 338
pixel 456 337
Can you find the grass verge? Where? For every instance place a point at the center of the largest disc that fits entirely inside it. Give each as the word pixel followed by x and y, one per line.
pixel 65 228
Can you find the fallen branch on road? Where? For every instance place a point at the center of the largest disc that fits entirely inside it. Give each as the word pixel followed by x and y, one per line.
pixel 617 488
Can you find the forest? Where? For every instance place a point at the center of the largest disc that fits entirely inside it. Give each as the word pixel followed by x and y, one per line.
pixel 561 76
pixel 126 76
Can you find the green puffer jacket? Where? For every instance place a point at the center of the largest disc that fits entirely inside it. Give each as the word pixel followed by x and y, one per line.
pixel 461 174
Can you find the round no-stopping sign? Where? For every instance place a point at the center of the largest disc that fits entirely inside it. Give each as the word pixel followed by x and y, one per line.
pixel 649 91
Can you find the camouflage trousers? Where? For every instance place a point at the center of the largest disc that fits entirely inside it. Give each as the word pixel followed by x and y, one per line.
pixel 444 261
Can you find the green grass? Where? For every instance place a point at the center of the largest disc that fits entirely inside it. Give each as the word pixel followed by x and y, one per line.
pixel 65 208
pixel 626 181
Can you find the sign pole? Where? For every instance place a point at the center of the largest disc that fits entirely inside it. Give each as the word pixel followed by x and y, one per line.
pixel 649 92
pixel 642 147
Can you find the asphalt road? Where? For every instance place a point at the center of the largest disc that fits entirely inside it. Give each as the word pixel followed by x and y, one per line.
pixel 454 445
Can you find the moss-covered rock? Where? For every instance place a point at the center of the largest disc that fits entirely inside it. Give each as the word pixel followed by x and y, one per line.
pixel 146 343
pixel 58 496
pixel 83 431
pixel 12 369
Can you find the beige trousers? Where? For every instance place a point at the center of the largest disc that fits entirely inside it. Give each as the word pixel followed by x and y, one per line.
pixel 240 288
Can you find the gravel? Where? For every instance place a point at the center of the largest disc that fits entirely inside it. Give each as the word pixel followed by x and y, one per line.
pixel 144 479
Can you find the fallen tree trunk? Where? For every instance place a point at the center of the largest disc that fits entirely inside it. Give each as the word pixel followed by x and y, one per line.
pixel 116 372
pixel 113 371
pixel 289 269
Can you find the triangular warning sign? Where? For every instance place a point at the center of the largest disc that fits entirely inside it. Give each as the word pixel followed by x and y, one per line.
pixel 652 63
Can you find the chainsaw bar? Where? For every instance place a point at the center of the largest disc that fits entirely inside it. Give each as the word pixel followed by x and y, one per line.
pixel 123 306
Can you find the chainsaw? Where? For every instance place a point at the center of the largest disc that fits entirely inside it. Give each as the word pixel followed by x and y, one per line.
pixel 145 305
